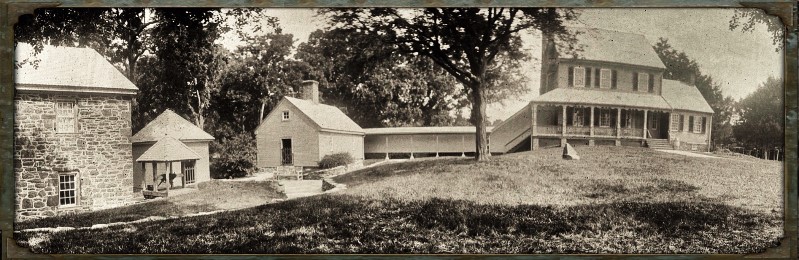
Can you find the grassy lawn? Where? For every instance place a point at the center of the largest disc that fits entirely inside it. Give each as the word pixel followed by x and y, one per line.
pixel 214 195
pixel 614 200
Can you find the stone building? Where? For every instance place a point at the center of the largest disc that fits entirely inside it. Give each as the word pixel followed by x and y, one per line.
pixel 72 129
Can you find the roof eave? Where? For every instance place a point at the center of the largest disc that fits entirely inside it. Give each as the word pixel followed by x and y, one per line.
pixel 662 67
pixel 74 89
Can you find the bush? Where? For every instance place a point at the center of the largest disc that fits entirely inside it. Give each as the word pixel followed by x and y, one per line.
pixel 333 160
pixel 235 157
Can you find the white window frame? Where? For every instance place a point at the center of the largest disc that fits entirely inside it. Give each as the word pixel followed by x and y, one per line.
pixel 66 118
pixel 604 117
pixel 604 78
pixel 285 116
pixel 579 76
pixel 577 117
pixel 189 170
pixel 675 122
pixel 67 190
pixel 643 82
pixel 698 124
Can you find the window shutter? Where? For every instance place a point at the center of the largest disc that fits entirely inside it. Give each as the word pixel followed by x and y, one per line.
pixel 588 77
pixel 571 76
pixel 682 123
pixel 635 81
pixel 704 121
pixel 597 77
pixel 613 79
pixel 651 83
pixel 690 123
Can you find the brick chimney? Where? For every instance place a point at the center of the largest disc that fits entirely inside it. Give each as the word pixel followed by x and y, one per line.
pixel 310 90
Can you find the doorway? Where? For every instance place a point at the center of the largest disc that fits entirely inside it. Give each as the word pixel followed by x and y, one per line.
pixel 286 156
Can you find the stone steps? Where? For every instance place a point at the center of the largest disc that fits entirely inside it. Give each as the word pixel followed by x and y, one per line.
pixel 301 188
pixel 659 144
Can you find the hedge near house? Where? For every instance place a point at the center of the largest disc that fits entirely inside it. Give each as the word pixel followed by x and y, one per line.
pixel 333 160
pixel 234 157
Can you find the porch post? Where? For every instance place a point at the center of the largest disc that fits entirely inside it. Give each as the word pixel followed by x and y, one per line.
pixel 387 148
pixel 437 147
pixel 645 124
pixel 412 147
pixel 618 127
pixel 463 146
pixel 563 122
pixel 155 177
pixel 166 177
pixel 534 128
pixel 592 122
pixel 143 176
pixel 709 131
pixel 182 174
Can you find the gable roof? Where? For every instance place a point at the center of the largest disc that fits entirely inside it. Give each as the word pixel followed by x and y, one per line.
pixel 328 118
pixel 69 69
pixel 613 46
pixel 168 149
pixel 172 125
pixel 684 97
pixel 587 96
pixel 425 130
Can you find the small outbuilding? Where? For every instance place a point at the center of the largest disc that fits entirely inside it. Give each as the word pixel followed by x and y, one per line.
pixel 300 132
pixel 170 146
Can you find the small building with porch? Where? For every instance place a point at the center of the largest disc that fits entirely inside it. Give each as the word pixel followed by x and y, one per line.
pixel 415 141
pixel 160 148
pixel 300 132
pixel 611 92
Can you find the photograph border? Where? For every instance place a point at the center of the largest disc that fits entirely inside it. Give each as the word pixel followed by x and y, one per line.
pixel 10 10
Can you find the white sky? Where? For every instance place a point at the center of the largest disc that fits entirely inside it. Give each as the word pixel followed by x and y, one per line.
pixel 738 61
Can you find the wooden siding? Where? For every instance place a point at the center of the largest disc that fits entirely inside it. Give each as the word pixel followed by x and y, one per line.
pixel 419 143
pixel 331 143
pixel 686 136
pixel 303 133
pixel 624 75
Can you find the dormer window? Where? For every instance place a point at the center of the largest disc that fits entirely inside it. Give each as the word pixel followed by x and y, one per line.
pixel 285 116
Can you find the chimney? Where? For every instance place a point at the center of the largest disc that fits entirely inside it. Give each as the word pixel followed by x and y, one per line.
pixel 310 90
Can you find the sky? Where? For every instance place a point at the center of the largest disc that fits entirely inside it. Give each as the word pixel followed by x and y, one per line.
pixel 737 61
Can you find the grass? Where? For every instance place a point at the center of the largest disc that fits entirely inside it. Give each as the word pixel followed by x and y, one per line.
pixel 614 200
pixel 214 195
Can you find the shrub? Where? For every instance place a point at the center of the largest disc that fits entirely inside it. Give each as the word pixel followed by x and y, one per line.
pixel 333 160
pixel 235 156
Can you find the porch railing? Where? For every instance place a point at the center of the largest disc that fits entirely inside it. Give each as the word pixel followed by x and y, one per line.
pixel 632 132
pixel 548 130
pixel 604 131
pixel 578 130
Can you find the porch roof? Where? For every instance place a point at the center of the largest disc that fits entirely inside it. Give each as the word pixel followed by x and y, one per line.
pixel 424 130
pixel 168 149
pixel 582 96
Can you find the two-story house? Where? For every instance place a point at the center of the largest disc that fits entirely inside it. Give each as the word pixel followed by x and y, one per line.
pixel 608 88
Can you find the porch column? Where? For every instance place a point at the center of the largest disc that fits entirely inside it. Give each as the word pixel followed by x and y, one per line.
pixel 644 135
pixel 155 177
pixel 709 132
pixel 387 148
pixel 618 122
pixel 143 176
pixel 592 122
pixel 437 147
pixel 167 175
pixel 563 130
pixel 668 127
pixel 412 147
pixel 534 110
pixel 463 146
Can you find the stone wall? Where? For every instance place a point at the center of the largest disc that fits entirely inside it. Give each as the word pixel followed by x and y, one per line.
pixel 98 153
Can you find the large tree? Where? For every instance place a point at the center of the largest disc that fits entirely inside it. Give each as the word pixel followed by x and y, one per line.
pixel 681 67
pixel 762 117
pixel 748 19
pixel 478 47
pixel 379 86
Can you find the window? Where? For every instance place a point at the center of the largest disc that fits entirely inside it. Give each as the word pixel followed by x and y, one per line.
pixel 188 172
pixel 65 117
pixel 577 117
pixel 675 122
pixel 285 115
pixel 682 123
pixel 588 77
pixel 643 81
pixel 604 117
pixel 653 121
pixel 604 78
pixel 66 190
pixel 698 125
pixel 579 77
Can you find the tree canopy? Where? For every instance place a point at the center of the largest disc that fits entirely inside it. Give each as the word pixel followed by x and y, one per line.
pixel 480 48
pixel 762 117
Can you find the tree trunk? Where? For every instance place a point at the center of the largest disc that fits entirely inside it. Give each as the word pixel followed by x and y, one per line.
pixel 479 121
pixel 261 114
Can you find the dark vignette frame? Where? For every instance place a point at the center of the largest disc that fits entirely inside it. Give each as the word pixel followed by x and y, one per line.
pixel 10 10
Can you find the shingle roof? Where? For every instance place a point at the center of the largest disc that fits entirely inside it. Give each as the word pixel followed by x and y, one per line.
pixel 600 97
pixel 69 69
pixel 168 149
pixel 424 130
pixel 684 97
pixel 172 125
pixel 613 46
pixel 325 116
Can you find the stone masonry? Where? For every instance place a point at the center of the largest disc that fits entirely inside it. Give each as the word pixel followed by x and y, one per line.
pixel 99 154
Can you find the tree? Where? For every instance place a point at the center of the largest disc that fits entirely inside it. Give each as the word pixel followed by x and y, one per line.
pixel 762 117
pixel 681 67
pixel 480 48
pixel 747 19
